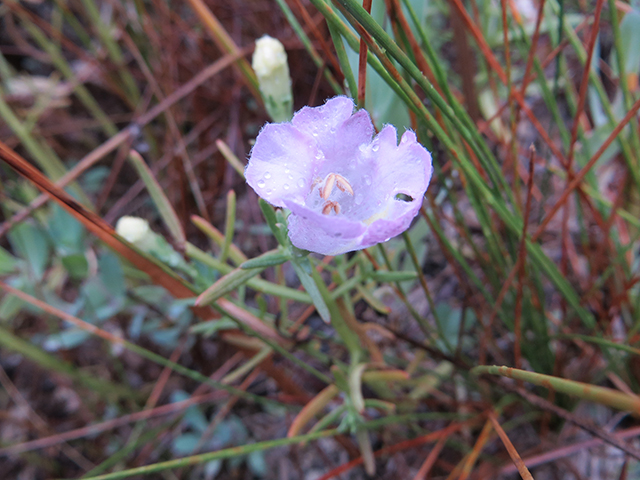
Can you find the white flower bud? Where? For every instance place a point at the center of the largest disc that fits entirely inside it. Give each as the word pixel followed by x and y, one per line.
pixel 268 56
pixel 132 229
pixel 136 230
pixel 271 67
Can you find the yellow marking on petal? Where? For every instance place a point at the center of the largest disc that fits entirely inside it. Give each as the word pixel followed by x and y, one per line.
pixel 343 184
pixel 377 216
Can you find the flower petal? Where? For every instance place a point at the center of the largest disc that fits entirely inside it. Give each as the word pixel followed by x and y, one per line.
pixel 336 226
pixel 404 168
pixel 308 235
pixel 337 132
pixel 318 121
pixel 282 163
pixel 399 219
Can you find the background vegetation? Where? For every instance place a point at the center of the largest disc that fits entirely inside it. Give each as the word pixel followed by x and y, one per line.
pixel 526 252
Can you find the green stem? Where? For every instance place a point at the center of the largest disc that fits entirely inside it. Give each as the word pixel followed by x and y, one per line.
pixel 218 455
pixel 605 396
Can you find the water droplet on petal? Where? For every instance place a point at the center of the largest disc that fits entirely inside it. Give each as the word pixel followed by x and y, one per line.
pixel 261 183
pixel 267 175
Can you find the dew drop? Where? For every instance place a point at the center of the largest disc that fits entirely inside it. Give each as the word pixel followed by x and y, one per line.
pixel 261 183
pixel 267 175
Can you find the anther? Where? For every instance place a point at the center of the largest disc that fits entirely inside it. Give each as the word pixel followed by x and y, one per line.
pixel 343 184
pixel 328 206
pixel 326 190
pixel 335 180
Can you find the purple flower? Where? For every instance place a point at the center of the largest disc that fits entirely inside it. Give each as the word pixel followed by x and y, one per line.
pixel 346 190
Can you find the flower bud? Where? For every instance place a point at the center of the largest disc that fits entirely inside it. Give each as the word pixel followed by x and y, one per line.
pixel 270 64
pixel 137 231
pixel 134 230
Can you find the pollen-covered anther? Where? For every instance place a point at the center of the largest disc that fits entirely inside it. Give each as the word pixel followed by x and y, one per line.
pixel 327 187
pixel 343 184
pixel 328 206
pixel 335 180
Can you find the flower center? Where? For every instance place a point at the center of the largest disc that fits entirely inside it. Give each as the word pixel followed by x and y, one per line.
pixel 326 186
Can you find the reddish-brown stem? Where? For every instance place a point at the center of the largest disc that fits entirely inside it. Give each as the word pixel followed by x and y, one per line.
pixel 362 62
pixel 522 255
pixel 437 435
pixel 311 25
pixel 584 170
pixel 533 48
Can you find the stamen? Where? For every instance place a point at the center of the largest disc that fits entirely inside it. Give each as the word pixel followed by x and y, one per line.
pixel 334 180
pixel 329 182
pixel 328 206
pixel 343 184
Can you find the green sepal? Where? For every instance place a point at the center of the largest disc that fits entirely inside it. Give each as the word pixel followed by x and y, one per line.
pixel 278 228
